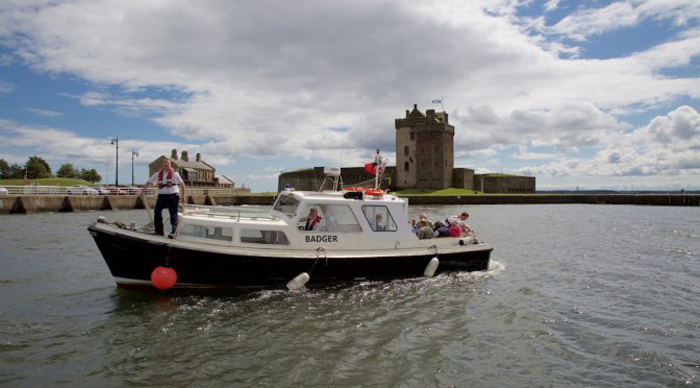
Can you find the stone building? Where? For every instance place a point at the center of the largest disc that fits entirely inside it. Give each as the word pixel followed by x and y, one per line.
pixel 424 150
pixel 463 178
pixel 197 173
pixel 311 179
pixel 504 183
pixel 424 160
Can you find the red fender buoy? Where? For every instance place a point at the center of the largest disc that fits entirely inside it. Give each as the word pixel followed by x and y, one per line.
pixel 163 278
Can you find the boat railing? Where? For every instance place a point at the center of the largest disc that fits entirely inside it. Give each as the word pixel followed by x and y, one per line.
pixel 234 212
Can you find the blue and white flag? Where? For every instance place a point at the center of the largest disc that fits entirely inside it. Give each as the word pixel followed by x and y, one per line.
pixel 437 101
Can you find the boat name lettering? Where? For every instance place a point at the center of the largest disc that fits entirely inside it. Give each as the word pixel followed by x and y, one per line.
pixel 321 238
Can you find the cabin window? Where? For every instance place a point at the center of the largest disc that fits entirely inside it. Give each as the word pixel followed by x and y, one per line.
pixel 333 218
pixel 379 218
pixel 257 236
pixel 286 204
pixel 208 232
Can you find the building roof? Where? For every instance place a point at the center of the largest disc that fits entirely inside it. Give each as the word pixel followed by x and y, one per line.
pixel 224 180
pixel 197 165
pixel 183 164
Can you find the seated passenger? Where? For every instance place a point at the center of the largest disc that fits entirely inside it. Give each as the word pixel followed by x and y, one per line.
pixel 424 231
pixel 461 222
pixel 380 226
pixel 424 217
pixel 311 221
pixel 442 229
pixel 414 226
pixel 455 230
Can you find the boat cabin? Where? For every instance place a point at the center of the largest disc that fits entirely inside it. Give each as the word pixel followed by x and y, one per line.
pixel 306 220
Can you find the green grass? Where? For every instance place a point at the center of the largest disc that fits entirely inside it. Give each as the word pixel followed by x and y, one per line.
pixel 450 191
pixel 46 182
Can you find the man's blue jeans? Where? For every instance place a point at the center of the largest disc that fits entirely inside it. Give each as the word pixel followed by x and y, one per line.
pixel 170 202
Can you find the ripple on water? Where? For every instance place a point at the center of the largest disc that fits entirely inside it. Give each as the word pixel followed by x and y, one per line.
pixel 592 295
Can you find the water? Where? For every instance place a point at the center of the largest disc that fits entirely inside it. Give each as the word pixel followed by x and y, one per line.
pixel 578 295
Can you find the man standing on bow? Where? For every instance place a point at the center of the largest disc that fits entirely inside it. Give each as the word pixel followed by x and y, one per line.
pixel 169 186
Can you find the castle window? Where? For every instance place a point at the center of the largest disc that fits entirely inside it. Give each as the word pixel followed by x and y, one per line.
pixel 413 135
pixel 405 166
pixel 405 150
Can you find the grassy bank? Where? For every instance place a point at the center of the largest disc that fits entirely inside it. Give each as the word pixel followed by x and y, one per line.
pixel 450 191
pixel 46 182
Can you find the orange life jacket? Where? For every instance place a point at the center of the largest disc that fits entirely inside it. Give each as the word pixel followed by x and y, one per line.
pixel 169 182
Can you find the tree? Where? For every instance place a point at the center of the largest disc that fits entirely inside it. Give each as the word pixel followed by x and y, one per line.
pixel 67 170
pixel 90 175
pixel 4 169
pixel 16 171
pixel 37 168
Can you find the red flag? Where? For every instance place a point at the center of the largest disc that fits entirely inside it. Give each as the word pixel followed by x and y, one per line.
pixel 370 168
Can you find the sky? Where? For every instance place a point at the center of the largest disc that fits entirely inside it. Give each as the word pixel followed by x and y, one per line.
pixel 588 95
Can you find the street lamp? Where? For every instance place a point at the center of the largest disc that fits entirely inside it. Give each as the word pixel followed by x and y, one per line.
pixel 133 153
pixel 116 178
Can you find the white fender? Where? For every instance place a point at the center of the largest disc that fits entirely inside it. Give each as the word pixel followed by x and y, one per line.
pixel 298 282
pixel 431 267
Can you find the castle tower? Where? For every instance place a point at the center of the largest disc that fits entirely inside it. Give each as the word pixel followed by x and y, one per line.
pixel 424 150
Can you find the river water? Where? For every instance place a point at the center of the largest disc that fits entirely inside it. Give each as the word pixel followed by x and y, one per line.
pixel 577 295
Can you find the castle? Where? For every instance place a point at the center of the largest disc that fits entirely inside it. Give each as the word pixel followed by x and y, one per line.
pixel 424 160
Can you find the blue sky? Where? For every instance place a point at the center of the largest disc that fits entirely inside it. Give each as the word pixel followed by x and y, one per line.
pixel 595 95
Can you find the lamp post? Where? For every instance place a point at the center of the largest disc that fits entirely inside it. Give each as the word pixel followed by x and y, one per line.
pixel 116 178
pixel 133 153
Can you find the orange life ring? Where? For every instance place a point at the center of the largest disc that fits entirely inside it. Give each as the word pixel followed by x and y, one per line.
pixel 374 192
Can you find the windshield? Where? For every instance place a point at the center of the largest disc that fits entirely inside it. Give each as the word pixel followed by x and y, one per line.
pixel 286 204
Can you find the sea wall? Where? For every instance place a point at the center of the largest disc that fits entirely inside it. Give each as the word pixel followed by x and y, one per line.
pixel 60 203
pixel 609 199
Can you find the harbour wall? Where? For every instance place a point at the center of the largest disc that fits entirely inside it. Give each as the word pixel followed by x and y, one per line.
pixel 26 204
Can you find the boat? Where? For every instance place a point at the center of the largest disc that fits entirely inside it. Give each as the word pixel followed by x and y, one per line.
pixel 360 234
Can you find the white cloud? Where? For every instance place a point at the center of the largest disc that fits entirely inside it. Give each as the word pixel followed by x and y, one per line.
pixel 278 79
pixel 63 145
pixel 45 112
pixel 6 87
pixel 621 14
pixel 668 146
pixel 551 5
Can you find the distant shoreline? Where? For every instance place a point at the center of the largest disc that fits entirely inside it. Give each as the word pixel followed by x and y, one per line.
pixel 28 204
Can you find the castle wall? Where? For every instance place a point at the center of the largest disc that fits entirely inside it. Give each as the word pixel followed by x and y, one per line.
pixel 424 148
pixel 510 184
pixel 406 166
pixel 463 178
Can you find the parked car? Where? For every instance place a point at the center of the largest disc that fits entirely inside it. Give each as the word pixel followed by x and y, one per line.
pixel 3 191
pixel 81 190
pixel 101 190
pixel 133 190
pixel 114 190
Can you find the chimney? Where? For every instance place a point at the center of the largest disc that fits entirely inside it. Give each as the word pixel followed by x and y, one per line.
pixel 184 156
pixel 174 154
pixel 415 106
pixel 199 157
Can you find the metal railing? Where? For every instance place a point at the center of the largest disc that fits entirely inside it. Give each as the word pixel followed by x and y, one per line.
pixel 151 191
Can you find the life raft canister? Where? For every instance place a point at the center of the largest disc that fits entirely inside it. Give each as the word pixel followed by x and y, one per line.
pixel 367 191
pixel 374 192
